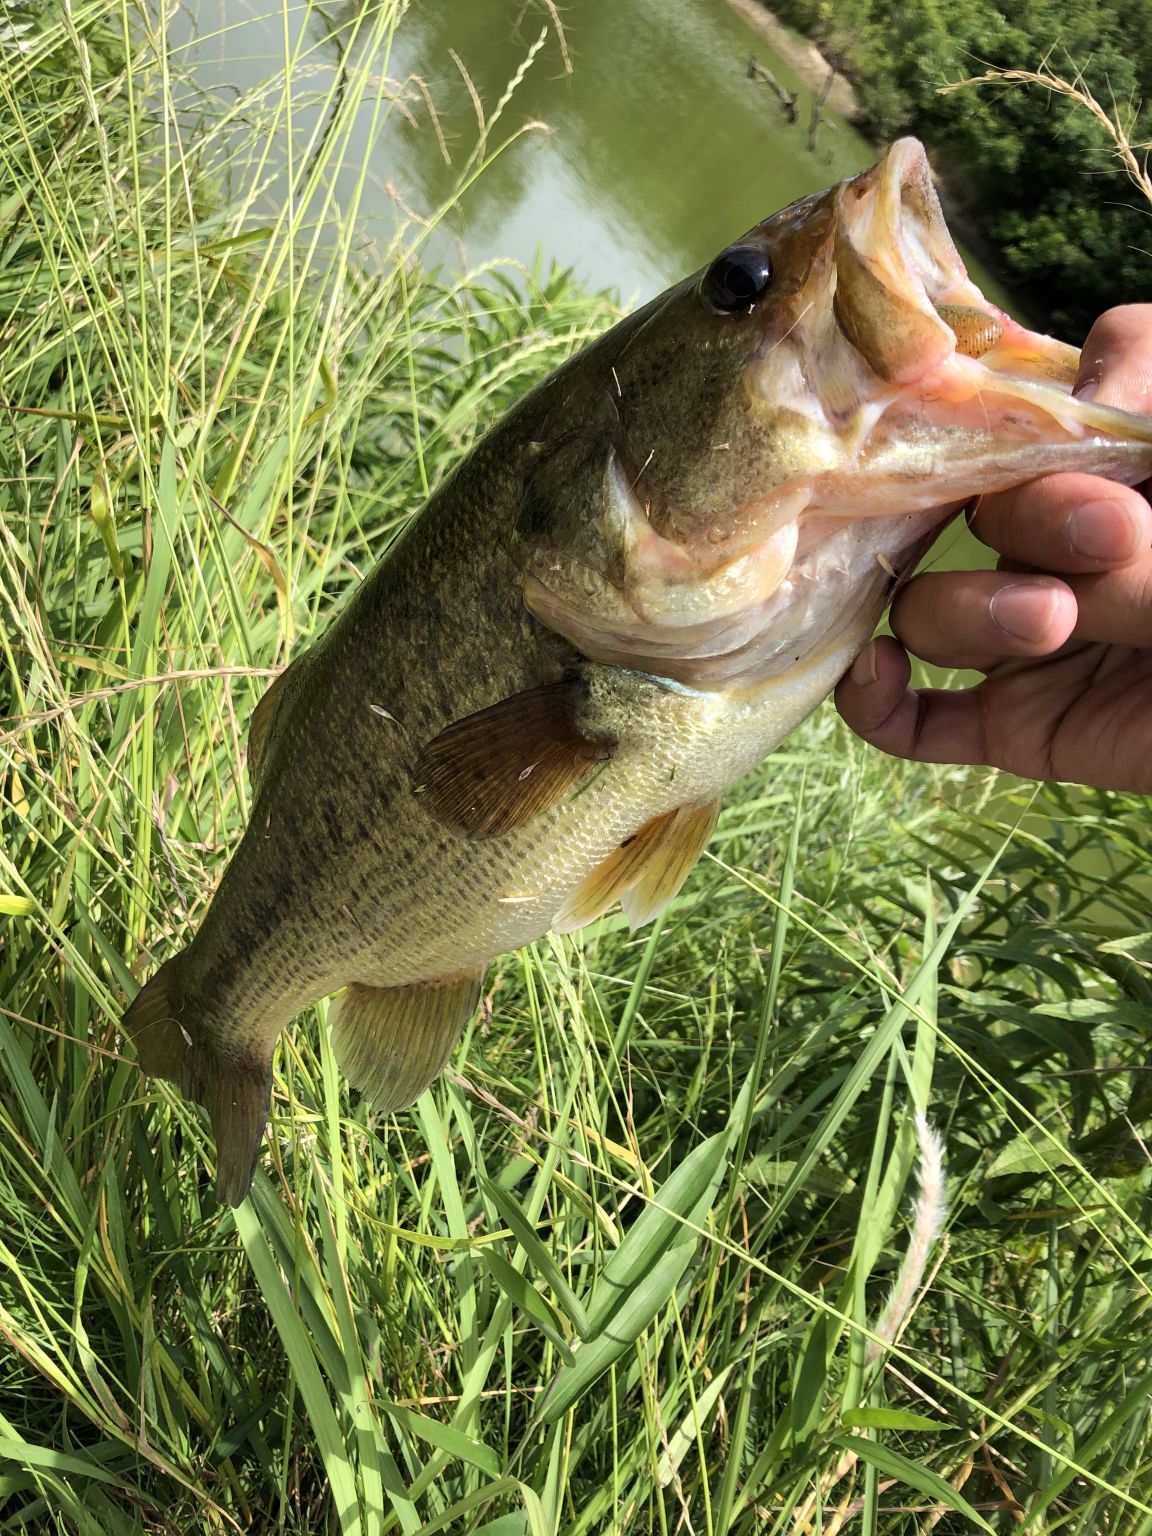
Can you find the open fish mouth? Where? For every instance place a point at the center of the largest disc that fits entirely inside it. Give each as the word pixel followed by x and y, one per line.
pixel 972 395
pixel 891 234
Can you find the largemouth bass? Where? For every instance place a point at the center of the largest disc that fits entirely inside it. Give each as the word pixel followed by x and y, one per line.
pixel 657 564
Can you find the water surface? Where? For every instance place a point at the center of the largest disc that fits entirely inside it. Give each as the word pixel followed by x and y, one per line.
pixel 655 150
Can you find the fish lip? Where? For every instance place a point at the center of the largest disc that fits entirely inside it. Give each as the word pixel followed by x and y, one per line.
pixel 903 218
pixel 895 264
pixel 907 194
pixel 890 217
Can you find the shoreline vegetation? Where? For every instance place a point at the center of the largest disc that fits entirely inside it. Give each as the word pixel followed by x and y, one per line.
pixel 1032 180
pixel 624 1268
pixel 805 58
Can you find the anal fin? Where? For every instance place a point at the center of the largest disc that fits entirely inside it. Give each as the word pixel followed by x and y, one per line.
pixel 644 873
pixel 392 1042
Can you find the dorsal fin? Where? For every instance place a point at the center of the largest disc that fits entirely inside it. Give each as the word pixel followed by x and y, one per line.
pixel 645 872
pixel 493 771
pixel 260 727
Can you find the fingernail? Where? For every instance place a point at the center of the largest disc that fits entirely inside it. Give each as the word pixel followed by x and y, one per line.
pixel 864 667
pixel 1023 610
pixel 1088 390
pixel 1102 530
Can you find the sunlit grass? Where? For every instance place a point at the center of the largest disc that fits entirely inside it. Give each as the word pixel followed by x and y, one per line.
pixel 691 1150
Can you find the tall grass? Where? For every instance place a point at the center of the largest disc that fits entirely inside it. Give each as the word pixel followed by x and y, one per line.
pixel 622 1269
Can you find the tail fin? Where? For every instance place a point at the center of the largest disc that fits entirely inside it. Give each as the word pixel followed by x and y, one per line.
pixel 234 1088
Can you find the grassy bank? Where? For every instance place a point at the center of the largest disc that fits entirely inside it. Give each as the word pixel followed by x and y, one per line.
pixel 621 1269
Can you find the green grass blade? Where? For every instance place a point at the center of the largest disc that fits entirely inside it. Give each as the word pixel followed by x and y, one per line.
pixel 892 1464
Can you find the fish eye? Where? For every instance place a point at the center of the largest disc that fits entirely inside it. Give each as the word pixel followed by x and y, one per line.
pixel 736 279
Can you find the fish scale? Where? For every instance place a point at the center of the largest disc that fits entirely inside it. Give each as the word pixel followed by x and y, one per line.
pixel 658 563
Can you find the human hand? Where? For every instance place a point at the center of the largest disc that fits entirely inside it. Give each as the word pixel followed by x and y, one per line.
pixel 1062 630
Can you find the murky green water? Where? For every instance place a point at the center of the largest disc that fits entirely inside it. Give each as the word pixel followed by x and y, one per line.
pixel 657 148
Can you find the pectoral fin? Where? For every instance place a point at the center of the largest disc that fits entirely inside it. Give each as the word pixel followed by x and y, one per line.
pixel 645 872
pixel 495 770
pixel 392 1042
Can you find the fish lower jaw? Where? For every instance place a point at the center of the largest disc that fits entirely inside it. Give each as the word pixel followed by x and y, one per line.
pixel 826 607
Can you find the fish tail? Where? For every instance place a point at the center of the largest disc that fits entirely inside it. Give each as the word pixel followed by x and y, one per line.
pixel 172 1042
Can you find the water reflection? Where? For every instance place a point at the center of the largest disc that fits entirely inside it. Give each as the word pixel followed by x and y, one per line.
pixel 658 147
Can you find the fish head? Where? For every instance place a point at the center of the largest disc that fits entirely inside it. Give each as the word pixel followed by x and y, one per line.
pixel 733 477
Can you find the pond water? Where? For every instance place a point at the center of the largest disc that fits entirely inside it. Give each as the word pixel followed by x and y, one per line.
pixel 656 147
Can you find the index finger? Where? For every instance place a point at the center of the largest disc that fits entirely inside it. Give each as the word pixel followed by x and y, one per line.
pixel 1077 522
pixel 1071 523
